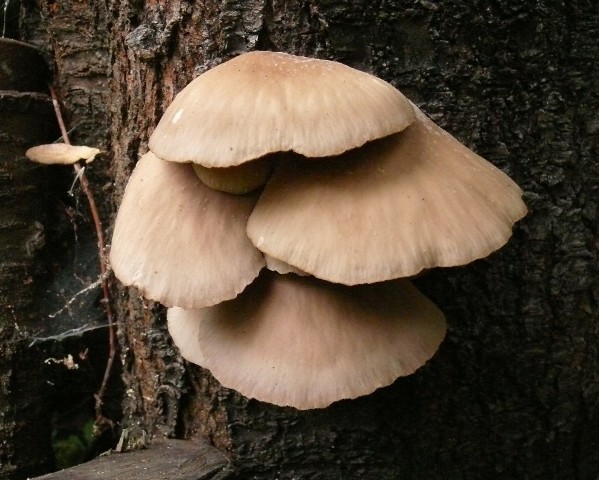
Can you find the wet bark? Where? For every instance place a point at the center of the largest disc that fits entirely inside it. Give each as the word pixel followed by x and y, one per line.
pixel 514 390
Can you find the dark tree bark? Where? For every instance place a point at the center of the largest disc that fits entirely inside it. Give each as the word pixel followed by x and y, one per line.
pixel 25 120
pixel 514 390
pixel 48 304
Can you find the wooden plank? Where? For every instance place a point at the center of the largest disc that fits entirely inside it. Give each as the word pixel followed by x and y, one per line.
pixel 164 460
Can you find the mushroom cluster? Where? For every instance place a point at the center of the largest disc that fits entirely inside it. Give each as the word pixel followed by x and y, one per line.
pixel 337 184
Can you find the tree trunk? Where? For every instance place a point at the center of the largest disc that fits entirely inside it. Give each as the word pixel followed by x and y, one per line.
pixel 52 332
pixel 25 120
pixel 514 390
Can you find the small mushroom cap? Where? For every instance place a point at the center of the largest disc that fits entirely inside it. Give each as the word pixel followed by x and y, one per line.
pixel 61 154
pixel 180 242
pixel 418 199
pixel 238 180
pixel 264 102
pixel 299 341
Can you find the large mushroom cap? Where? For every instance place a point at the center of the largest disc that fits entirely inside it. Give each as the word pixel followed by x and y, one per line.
pixel 299 341
pixel 415 200
pixel 263 102
pixel 180 242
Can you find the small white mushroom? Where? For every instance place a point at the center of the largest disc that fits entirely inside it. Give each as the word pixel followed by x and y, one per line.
pixel 61 154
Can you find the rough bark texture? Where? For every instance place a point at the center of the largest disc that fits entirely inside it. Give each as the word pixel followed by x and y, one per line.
pixel 48 257
pixel 24 122
pixel 514 390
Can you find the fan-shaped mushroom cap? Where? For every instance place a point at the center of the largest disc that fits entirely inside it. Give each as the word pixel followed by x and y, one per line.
pixel 180 242
pixel 299 341
pixel 263 102
pixel 415 200
pixel 61 154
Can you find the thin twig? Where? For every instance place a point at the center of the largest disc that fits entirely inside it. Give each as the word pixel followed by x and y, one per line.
pixel 104 273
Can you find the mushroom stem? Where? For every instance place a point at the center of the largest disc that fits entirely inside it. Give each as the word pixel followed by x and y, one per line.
pixel 80 172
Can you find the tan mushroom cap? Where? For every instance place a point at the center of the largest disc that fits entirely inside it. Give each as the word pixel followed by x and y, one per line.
pixel 180 242
pixel 238 180
pixel 184 329
pixel 306 343
pixel 418 199
pixel 264 102
pixel 61 154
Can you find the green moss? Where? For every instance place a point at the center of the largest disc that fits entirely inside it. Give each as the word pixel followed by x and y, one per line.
pixel 74 449
pixel 70 451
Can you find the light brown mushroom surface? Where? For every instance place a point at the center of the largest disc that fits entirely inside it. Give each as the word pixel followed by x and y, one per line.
pixel 418 199
pixel 299 341
pixel 61 154
pixel 239 180
pixel 275 265
pixel 264 102
pixel 180 242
